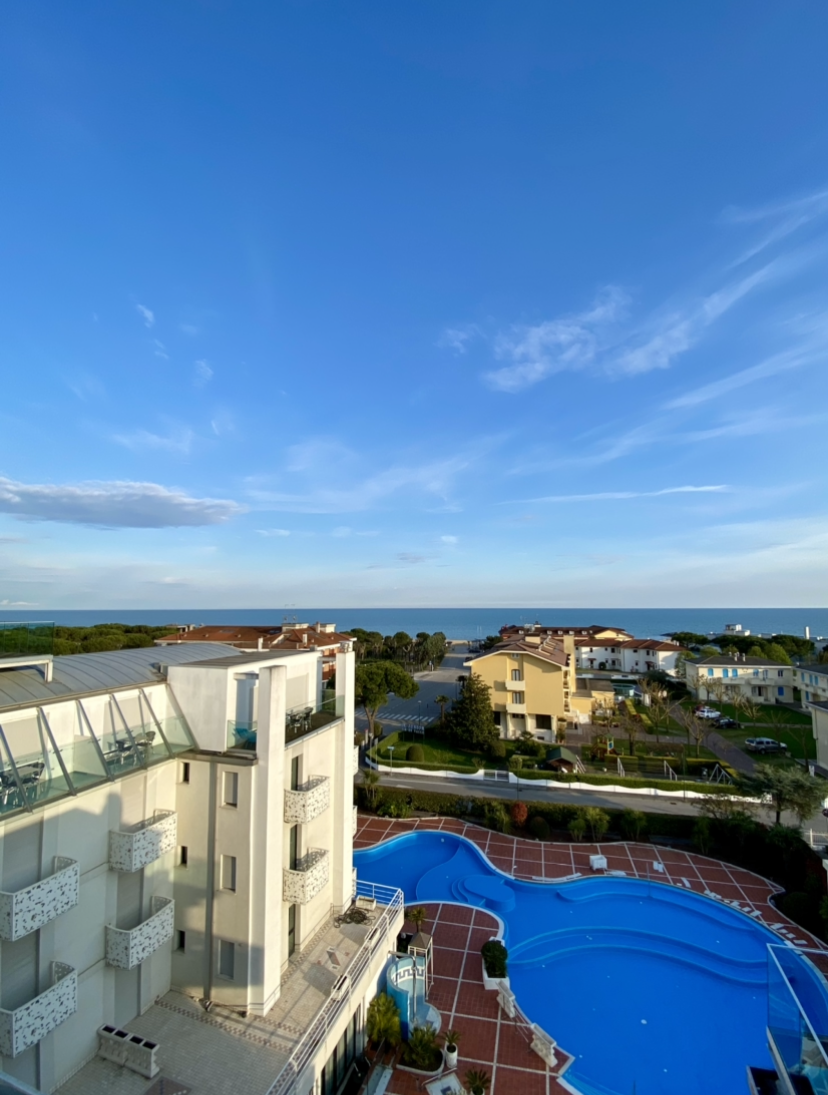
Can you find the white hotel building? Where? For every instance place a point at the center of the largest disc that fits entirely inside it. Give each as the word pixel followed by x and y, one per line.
pixel 176 837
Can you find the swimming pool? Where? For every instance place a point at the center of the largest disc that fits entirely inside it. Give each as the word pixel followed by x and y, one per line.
pixel 653 989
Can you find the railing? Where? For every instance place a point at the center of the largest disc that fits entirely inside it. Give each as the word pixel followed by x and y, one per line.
pixel 316 1034
pixel 127 949
pixel 303 804
pixel 306 718
pixel 719 775
pixel 241 735
pixel 668 772
pixel 308 878
pixel 28 1024
pixel 131 849
pixel 621 771
pixel 24 911
pixel 356 822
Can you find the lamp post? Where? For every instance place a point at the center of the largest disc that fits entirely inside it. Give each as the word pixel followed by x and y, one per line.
pixel 391 751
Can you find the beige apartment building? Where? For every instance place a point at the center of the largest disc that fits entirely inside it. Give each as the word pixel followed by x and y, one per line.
pixel 534 688
pixel 176 836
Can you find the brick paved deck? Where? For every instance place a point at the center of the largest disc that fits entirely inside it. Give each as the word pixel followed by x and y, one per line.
pixel 490 1040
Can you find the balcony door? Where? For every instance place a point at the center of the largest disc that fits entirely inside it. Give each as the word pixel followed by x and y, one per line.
pixel 294 847
pixel 291 930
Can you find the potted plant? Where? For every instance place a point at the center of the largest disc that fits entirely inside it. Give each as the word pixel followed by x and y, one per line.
pixel 477 1081
pixel 452 1037
pixel 495 969
pixel 416 916
pixel 421 1052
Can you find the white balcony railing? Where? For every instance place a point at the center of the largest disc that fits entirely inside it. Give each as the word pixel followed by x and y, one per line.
pixel 308 801
pixel 24 911
pixel 28 1024
pixel 355 822
pixel 132 849
pixel 356 759
pixel 128 949
pixel 310 876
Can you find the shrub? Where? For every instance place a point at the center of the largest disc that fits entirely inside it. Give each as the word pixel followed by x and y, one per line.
pixel 383 1020
pixel 415 752
pixel 539 828
pixel 495 816
pixel 515 762
pixel 477 1080
pixel 422 1051
pixel 633 824
pixel 497 749
pixel 520 812
pixel 394 809
pixel 495 957
pixel 577 826
pixel 597 820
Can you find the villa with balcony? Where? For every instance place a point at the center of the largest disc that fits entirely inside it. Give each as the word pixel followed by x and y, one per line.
pixel 176 836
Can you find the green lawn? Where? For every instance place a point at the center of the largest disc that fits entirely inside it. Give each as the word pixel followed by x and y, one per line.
pixel 792 738
pixel 768 714
pixel 436 751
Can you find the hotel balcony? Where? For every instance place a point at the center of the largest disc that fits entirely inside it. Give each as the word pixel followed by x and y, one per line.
pixel 304 803
pixel 24 911
pixel 28 1024
pixel 128 949
pixel 141 844
pixel 308 878
pixel 516 708
pixel 304 719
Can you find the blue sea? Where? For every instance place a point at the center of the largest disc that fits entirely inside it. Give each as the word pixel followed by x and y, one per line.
pixel 465 623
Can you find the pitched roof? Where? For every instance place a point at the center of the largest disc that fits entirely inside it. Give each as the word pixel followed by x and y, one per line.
pixel 248 637
pixel 544 629
pixel 82 674
pixel 550 650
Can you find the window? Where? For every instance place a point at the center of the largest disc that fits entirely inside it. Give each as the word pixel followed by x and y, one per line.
pixel 183 855
pixel 228 872
pixel 518 697
pixel 710 672
pixel 807 695
pixel 293 854
pixel 516 675
pixel 780 691
pixel 725 672
pixel 497 718
pixel 756 672
pixel 227 960
pixel 515 656
pixel 230 796
pixel 184 772
pixel 780 672
pixel 291 930
pixel 180 940
pixel 543 722
pixel 735 673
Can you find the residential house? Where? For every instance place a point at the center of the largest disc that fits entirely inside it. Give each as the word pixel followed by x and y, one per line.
pixel 736 676
pixel 812 682
pixel 176 835
pixel 533 686
pixel 627 655
pixel 595 631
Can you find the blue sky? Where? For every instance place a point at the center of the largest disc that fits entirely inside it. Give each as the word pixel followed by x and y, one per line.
pixel 464 303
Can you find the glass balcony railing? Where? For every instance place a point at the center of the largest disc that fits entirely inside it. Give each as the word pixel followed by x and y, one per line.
pixel 798 1017
pixel 300 720
pixel 35 770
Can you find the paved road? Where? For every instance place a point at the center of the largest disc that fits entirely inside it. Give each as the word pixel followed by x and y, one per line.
pixel 423 707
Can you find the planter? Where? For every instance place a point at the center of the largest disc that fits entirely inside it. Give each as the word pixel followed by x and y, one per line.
pixel 420 1072
pixel 493 983
pixel 450 1056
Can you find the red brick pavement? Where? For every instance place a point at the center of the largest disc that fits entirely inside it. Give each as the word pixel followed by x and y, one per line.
pixel 492 1041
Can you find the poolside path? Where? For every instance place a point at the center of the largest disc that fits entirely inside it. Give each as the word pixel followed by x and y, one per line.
pixel 490 1040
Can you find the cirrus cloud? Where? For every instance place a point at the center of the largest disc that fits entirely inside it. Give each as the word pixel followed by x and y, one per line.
pixel 114 504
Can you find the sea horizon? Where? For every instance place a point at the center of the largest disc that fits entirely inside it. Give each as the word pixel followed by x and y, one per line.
pixel 456 623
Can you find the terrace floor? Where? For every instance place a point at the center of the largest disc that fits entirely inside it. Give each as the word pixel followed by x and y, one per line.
pixel 492 1041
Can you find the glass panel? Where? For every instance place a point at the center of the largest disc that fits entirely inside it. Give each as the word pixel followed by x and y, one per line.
pixel 19 638
pixel 798 1020
pixel 38 768
pixel 119 752
pixel 177 734
pixel 241 735
pixel 149 744
pixel 304 718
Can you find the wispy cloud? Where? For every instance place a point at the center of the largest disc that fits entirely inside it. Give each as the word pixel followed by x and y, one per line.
pixel 449 539
pixel 113 504
pixel 570 342
pixel 160 349
pixel 179 440
pixel 619 495
pixel 273 532
pixel 787 217
pixel 188 329
pixel 203 373
pixel 146 315
pixel 458 338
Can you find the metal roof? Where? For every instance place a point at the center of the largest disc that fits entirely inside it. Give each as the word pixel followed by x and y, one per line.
pixel 82 674
pixel 274 655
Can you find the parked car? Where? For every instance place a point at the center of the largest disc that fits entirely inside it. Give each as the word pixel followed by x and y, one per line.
pixel 707 713
pixel 725 723
pixel 765 745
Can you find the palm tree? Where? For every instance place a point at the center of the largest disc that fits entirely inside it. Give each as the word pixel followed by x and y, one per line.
pixel 370 781
pixel 383 1022
pixel 442 700
pixel 417 916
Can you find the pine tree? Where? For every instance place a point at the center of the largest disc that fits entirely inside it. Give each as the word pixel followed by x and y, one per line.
pixel 472 718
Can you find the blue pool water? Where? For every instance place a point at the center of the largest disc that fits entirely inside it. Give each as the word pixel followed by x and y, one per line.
pixel 654 990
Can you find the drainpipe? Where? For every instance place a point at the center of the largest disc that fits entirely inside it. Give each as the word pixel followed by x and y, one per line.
pixel 210 883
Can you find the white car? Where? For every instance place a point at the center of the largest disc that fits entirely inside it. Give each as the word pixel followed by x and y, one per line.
pixel 707 713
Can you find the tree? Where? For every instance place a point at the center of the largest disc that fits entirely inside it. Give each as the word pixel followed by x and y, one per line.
pixel 633 824
pixel 520 812
pixel 631 726
pixel 373 682
pixel 471 719
pixel 778 653
pixel 789 789
pixel 442 701
pixel 660 708
pixel 688 638
pixel 695 728
pixel 749 708
pixel 370 781
pixel 417 916
pixel 383 1021
pixel 598 822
